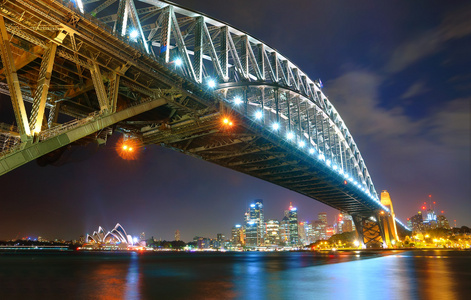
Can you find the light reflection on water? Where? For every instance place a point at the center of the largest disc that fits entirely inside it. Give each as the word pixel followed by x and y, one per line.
pixel 251 275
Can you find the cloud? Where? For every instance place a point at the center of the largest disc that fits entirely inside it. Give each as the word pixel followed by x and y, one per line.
pixel 417 88
pixel 356 93
pixel 413 50
pixel 445 132
pixel 456 24
pixel 451 125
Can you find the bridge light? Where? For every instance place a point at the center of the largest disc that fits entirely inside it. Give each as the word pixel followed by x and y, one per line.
pixel 301 144
pixel 128 149
pixel 311 151
pixel 321 156
pixel 258 115
pixel 227 122
pixel 290 136
pixel 237 100
pixel 328 162
pixel 275 126
pixel 334 167
pixel 340 171
pixel 211 83
pixel 178 62
pixel 134 34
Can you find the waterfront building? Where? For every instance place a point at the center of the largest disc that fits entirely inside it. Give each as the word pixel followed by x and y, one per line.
pixel 309 233
pixel 237 236
pixel 301 233
pixel 293 226
pixel 284 231
pixel 322 217
pixel 417 222
pixel 273 232
pixel 348 224
pixel 443 222
pixel 251 234
pixel 116 237
pixel 329 231
pixel 255 225
pixel 430 221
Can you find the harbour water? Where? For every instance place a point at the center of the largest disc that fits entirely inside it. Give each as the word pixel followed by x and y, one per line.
pixel 427 274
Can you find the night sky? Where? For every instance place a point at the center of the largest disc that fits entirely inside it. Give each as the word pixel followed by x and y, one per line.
pixel 398 72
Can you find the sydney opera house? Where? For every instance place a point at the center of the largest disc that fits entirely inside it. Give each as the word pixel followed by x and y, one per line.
pixel 114 239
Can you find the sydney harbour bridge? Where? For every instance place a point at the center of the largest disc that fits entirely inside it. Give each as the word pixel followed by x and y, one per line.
pixel 77 71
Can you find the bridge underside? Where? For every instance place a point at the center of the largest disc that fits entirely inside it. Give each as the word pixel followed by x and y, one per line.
pixel 72 79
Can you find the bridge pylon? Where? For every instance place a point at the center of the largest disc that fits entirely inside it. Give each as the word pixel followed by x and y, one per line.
pixel 388 221
pixel 378 229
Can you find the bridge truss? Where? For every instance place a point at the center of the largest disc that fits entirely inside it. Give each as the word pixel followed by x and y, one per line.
pixel 167 75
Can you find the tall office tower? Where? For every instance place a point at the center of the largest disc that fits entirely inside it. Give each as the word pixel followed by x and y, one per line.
pixel 308 233
pixel 443 222
pixel 237 236
pixel 430 221
pixel 348 224
pixel 255 225
pixel 338 225
pixel 220 237
pixel 293 226
pixel 177 235
pixel 273 232
pixel 322 217
pixel 301 233
pixel 284 231
pixel 251 234
pixel 417 222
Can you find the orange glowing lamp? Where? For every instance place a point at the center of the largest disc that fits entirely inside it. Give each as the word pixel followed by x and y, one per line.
pixel 127 149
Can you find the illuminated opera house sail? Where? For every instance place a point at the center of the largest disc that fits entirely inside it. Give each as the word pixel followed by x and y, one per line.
pixel 117 237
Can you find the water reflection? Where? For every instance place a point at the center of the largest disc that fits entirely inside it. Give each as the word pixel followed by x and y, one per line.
pixel 133 278
pixel 436 278
pixel 362 275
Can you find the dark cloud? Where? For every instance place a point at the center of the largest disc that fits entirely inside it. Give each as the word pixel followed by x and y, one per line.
pixel 456 24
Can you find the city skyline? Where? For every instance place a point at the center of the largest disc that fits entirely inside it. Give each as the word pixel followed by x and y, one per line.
pixel 403 93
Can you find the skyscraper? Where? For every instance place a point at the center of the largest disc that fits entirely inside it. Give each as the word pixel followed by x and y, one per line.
pixel 284 231
pixel 322 217
pixel 237 236
pixel 255 226
pixel 293 226
pixel 273 232
pixel 177 235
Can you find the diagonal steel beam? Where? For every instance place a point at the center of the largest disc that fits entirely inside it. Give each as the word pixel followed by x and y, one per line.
pixel 13 83
pixel 42 90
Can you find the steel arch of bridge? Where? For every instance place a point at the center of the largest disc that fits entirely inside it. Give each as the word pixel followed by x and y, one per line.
pixel 169 55
pixel 245 68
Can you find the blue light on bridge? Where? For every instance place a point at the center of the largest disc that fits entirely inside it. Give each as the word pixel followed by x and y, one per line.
pixel 133 34
pixel 178 62
pixel 211 83
pixel 362 186
pixel 237 100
